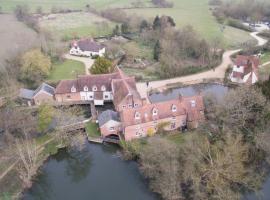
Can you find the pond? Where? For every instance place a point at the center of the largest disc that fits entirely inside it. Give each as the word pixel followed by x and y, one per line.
pixel 217 90
pixel 97 173
pixel 264 193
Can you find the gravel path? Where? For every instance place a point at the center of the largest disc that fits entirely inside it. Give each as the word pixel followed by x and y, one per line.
pixel 217 73
pixel 88 62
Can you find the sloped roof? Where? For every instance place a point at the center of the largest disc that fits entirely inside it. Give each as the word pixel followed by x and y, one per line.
pixel 88 45
pixel 87 80
pixel 106 116
pixel 124 87
pixel 26 94
pixel 164 110
pixel 46 88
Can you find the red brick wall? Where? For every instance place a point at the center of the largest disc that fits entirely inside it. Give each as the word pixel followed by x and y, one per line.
pixel 105 130
pixel 43 98
pixel 130 131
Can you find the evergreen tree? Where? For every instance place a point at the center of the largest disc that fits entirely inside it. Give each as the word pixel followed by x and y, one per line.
pixel 156 23
pixel 116 30
pixel 125 28
pixel 157 51
pixel 101 66
pixel 144 25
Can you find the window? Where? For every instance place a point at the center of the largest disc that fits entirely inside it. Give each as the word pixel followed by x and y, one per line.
pixel 174 108
pixel 173 118
pixel 85 88
pixel 103 88
pixel 136 105
pixel 90 97
pixel 68 97
pixel 73 89
pixel 130 105
pixel 94 88
pixel 173 125
pixel 193 103
pixel 124 106
pixel 106 96
pixel 155 111
pixel 138 134
pixel 137 115
pixel 111 129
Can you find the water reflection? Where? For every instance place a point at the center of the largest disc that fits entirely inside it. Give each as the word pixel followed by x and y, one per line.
pixel 216 90
pixel 96 173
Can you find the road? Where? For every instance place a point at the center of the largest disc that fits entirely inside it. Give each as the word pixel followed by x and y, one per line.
pixel 88 62
pixel 218 73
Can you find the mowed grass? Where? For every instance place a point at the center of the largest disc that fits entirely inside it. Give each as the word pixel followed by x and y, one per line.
pixel 197 14
pixel 9 5
pixel 92 130
pixel 265 57
pixel 77 24
pixel 68 69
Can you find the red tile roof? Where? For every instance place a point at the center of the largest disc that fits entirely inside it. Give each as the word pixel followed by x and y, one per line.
pixel 185 105
pixel 242 60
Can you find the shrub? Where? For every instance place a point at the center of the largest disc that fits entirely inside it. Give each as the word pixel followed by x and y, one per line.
pixel 237 24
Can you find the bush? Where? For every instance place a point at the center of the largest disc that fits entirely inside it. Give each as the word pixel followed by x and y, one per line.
pixel 237 24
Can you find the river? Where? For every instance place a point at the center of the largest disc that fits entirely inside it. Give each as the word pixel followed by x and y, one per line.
pixel 97 173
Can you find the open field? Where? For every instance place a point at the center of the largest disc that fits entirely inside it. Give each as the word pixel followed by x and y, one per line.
pixel 265 57
pixel 15 38
pixel 79 24
pixel 9 5
pixel 185 12
pixel 197 14
pixel 69 69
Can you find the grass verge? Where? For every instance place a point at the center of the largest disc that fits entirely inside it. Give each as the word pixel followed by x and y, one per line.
pixel 92 130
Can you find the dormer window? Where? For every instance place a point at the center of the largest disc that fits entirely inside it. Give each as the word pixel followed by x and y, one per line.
pixel 103 88
pixel 155 111
pixel 193 103
pixel 174 108
pixel 94 88
pixel 85 88
pixel 137 115
pixel 73 89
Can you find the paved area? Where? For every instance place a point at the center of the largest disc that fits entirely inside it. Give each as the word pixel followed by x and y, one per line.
pixel 218 73
pixel 88 62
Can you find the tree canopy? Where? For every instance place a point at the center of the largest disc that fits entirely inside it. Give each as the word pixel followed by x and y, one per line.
pixel 101 66
pixel 35 66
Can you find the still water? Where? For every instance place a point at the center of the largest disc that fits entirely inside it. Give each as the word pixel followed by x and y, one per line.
pixel 95 173
pixel 217 90
pixel 98 172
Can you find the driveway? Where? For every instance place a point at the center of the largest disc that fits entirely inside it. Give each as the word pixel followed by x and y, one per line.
pixel 88 62
pixel 217 73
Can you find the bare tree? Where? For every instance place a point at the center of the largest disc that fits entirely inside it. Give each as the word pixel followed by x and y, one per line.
pixel 27 151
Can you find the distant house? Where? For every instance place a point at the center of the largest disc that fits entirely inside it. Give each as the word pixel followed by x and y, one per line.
pixel 245 70
pixel 43 94
pixel 87 47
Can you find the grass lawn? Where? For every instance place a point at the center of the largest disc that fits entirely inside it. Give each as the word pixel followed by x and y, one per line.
pixel 68 69
pixel 265 57
pixel 264 72
pixel 92 130
pixel 197 14
pixel 9 5
pixel 177 138
pixel 79 24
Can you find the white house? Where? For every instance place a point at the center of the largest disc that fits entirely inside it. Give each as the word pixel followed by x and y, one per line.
pixel 245 70
pixel 87 47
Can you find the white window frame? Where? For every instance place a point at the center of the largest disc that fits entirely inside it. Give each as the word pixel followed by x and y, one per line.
pixel 137 115
pixel 94 88
pixel 73 89
pixel 174 108
pixel 85 88
pixel 155 112
pixel 103 88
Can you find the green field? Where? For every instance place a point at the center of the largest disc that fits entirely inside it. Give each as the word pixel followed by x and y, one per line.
pixel 185 12
pixel 264 72
pixel 9 5
pixel 78 24
pixel 68 69
pixel 265 57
